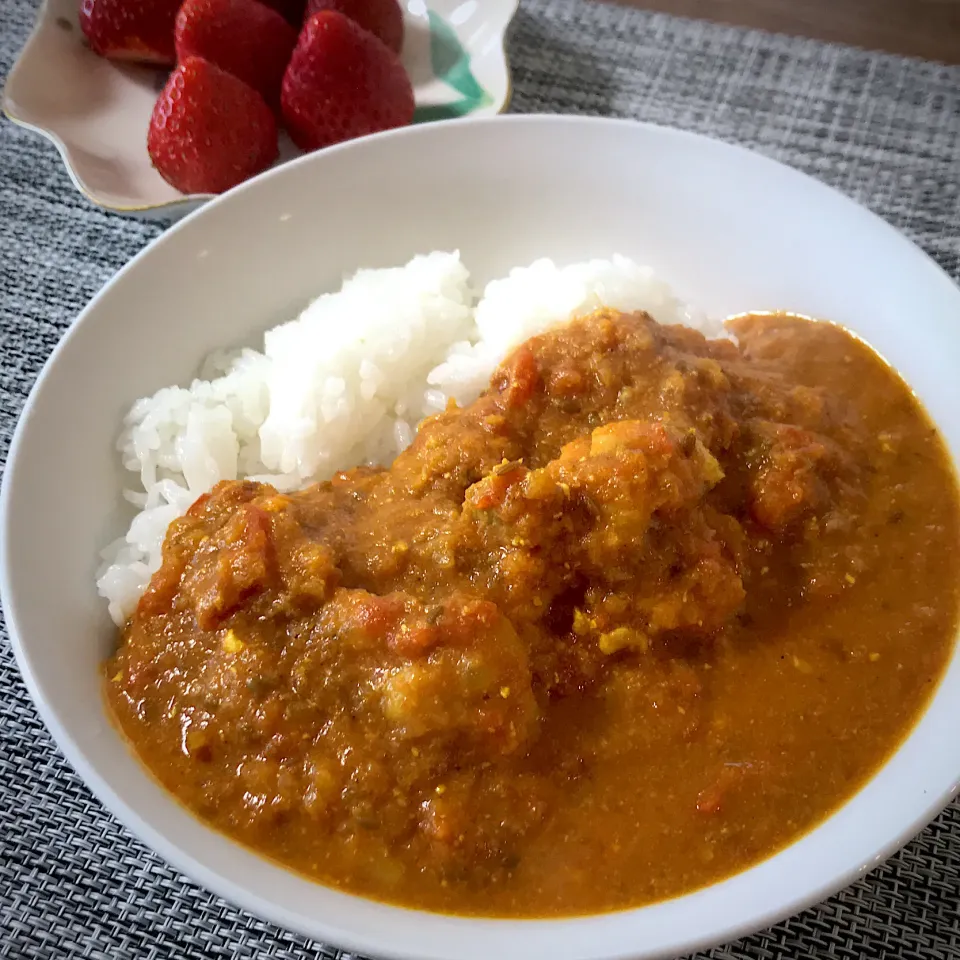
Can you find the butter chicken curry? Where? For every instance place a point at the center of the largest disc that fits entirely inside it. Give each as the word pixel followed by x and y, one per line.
pixel 646 611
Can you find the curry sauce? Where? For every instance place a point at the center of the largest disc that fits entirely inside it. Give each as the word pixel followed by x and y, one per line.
pixel 645 612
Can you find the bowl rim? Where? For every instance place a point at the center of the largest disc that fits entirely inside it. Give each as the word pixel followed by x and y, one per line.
pixel 556 944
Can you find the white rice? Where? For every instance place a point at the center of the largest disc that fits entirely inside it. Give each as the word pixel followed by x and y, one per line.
pixel 346 383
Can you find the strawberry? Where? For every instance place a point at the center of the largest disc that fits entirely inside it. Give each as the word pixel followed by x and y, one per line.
pixel 290 10
pixel 342 82
pixel 139 30
pixel 383 18
pixel 243 37
pixel 209 130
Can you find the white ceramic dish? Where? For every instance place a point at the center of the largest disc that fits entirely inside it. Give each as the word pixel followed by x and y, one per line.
pixel 97 112
pixel 730 229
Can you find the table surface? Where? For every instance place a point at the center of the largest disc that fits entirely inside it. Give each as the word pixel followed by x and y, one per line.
pixel 883 129
pixel 921 28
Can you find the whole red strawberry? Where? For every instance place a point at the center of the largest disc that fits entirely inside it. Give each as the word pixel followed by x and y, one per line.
pixel 139 30
pixel 383 18
pixel 243 37
pixel 210 131
pixel 342 82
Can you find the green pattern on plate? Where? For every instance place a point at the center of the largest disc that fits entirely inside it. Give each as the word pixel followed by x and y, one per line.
pixel 451 64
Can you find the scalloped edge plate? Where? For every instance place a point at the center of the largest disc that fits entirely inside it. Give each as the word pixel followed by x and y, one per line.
pixel 96 112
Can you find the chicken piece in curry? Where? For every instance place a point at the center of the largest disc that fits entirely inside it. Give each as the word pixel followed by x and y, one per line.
pixel 645 612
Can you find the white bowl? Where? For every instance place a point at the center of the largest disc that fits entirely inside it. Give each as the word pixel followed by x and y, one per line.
pixel 96 112
pixel 731 230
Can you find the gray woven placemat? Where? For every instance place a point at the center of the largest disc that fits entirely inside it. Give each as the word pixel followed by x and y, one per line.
pixel 884 129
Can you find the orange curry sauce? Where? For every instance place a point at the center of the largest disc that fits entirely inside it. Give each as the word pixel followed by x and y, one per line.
pixel 646 611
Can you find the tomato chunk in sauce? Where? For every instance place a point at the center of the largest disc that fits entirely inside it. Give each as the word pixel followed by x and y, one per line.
pixel 645 612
